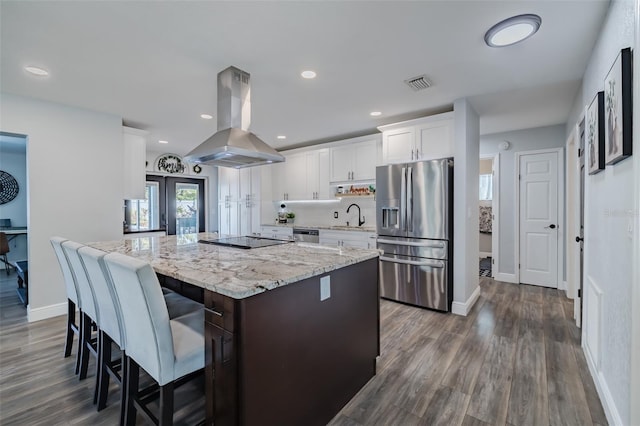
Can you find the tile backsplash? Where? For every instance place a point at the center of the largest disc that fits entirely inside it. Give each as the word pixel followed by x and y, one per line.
pixel 321 213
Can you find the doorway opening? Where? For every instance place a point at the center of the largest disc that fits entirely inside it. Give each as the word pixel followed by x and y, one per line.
pixel 14 253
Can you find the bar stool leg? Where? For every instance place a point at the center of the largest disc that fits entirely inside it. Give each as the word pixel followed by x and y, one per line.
pixel 85 343
pixel 80 331
pixel 71 320
pixel 166 405
pixel 133 377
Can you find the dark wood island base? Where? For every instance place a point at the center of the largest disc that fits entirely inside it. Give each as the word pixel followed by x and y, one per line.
pixel 284 357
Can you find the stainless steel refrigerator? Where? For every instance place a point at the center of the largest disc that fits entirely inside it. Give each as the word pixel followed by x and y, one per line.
pixel 414 215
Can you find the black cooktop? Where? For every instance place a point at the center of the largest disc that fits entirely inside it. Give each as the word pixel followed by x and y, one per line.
pixel 244 242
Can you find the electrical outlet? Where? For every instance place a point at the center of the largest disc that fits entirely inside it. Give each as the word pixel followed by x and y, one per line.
pixel 335 215
pixel 325 288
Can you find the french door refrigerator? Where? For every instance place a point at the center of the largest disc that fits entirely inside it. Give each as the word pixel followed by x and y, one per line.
pixel 414 215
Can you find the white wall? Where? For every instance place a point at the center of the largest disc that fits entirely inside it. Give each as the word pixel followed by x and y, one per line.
pixel 521 140
pixel 465 206
pixel 15 163
pixel 609 222
pixel 320 213
pixel 74 173
pixel 209 173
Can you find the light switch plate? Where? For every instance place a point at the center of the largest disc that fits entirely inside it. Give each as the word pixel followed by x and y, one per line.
pixel 325 288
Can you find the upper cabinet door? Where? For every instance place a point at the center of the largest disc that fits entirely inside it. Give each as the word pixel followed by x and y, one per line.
pixel 365 159
pixel 398 145
pixel 341 161
pixel 296 177
pixel 435 140
pixel 323 192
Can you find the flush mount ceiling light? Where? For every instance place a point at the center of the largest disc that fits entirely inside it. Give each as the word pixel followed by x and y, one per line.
pixel 512 30
pixel 206 116
pixel 308 74
pixel 163 141
pixel 40 72
pixel 281 137
pixel 375 113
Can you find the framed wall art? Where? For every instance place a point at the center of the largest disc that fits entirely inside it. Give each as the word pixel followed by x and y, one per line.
pixel 595 134
pixel 617 106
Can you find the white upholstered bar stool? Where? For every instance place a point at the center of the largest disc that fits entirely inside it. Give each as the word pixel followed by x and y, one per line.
pixel 109 326
pixel 171 351
pixel 72 299
pixel 89 315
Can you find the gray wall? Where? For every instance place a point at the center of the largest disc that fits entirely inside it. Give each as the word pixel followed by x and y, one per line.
pixel 609 217
pixel 521 140
pixel 75 175
pixel 465 204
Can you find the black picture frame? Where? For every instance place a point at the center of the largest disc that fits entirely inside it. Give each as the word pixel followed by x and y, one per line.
pixel 595 134
pixel 618 109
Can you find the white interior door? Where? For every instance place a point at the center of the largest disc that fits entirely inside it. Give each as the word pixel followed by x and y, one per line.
pixel 539 219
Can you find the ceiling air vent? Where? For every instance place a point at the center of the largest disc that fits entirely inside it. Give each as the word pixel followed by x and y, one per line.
pixel 418 83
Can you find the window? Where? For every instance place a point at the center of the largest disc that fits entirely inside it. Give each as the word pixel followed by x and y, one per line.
pixel 144 215
pixel 486 187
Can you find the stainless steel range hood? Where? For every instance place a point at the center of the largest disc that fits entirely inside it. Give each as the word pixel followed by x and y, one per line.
pixel 233 145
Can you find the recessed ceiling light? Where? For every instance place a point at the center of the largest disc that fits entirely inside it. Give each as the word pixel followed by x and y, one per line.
pixel 206 116
pixel 40 72
pixel 281 137
pixel 375 113
pixel 512 30
pixel 308 74
pixel 163 141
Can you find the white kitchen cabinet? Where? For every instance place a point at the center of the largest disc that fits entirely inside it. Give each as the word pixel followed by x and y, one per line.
pixel 303 176
pixel 134 141
pixel 358 239
pixel 239 200
pixel 354 161
pixel 423 139
pixel 277 232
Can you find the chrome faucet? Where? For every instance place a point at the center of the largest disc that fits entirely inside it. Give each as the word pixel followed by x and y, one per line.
pixel 360 221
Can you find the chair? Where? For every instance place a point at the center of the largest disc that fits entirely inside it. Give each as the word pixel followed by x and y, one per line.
pixel 109 327
pixel 4 249
pixel 171 351
pixel 72 299
pixel 88 312
pixel 110 321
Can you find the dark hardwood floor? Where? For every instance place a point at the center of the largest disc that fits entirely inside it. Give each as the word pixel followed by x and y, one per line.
pixel 514 360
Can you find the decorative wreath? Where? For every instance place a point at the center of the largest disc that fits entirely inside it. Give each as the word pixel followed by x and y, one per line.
pixel 9 187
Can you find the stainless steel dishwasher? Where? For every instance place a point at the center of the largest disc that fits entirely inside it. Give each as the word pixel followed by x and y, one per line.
pixel 306 235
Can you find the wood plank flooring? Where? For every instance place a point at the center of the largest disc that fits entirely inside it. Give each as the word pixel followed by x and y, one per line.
pixel 515 360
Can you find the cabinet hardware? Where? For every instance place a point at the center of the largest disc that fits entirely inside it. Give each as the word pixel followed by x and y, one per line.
pixel 417 154
pixel 411 154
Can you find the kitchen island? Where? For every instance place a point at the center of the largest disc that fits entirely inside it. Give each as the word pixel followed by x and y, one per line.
pixel 292 331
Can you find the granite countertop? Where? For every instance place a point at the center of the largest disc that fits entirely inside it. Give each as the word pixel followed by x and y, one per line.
pixel 234 272
pixel 327 227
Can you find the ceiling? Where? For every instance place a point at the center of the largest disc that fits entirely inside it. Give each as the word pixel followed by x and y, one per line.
pixel 155 63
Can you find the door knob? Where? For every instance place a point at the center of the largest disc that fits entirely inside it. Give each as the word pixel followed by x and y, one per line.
pixel 552 226
pixel 578 239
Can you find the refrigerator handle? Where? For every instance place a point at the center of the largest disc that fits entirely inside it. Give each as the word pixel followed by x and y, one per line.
pixel 410 199
pixel 403 200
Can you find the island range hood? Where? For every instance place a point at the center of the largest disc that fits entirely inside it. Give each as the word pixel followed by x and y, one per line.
pixel 233 145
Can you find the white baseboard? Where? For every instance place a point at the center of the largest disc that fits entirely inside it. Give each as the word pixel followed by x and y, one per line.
pixel 610 410
pixel 463 308
pixel 507 278
pixel 484 254
pixel 39 314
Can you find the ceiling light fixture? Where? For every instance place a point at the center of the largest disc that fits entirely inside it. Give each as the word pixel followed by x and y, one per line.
pixel 40 72
pixel 206 116
pixel 281 137
pixel 163 141
pixel 512 30
pixel 308 74
pixel 375 113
